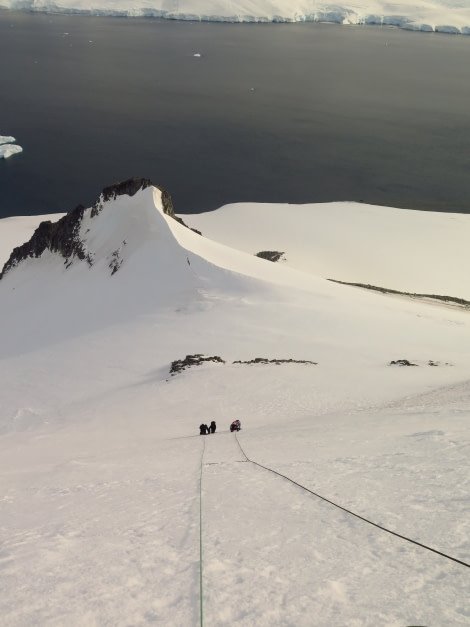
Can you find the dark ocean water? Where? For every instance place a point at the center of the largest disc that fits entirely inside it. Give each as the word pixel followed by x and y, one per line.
pixel 268 112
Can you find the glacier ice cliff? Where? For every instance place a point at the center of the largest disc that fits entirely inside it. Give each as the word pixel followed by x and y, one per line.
pixel 444 16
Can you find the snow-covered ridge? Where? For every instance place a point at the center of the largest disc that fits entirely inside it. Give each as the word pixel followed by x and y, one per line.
pixel 448 16
pixel 101 232
pixel 132 225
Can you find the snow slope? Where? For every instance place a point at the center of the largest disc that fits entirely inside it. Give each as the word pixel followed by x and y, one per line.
pixel 353 242
pixel 113 510
pixel 451 16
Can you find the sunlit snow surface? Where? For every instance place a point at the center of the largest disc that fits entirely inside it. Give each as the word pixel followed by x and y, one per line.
pixel 7 148
pixel 451 16
pixel 100 457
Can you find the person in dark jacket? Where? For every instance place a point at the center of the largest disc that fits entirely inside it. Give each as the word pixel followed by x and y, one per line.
pixel 203 429
pixel 213 426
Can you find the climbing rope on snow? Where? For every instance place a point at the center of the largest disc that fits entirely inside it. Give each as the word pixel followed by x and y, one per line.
pixel 201 612
pixel 348 511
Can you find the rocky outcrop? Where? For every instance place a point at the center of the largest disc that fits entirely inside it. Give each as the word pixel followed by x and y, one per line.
pixel 169 210
pixel 402 362
pixel 196 360
pixel 270 255
pixel 60 237
pixel 407 362
pixel 126 188
pixel 192 360
pixel 264 360
pixel 131 187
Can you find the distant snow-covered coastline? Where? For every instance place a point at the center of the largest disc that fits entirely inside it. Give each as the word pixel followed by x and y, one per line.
pixel 445 16
pixel 7 147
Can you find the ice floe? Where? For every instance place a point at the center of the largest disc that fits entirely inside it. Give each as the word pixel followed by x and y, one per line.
pixel 7 147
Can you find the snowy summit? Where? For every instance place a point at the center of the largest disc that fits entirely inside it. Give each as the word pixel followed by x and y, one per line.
pixel 337 334
pixel 451 16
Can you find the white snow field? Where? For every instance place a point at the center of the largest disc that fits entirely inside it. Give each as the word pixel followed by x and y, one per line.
pixel 450 16
pixel 115 511
pixel 7 147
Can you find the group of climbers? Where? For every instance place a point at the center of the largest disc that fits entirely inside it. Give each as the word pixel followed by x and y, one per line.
pixel 204 429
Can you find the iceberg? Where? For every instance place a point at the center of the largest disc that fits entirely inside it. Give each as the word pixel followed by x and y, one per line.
pixel 7 148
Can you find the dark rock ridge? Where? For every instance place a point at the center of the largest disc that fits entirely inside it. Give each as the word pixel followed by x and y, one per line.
pixel 130 188
pixel 406 362
pixel 453 300
pixel 402 362
pixel 62 237
pixel 59 237
pixel 264 360
pixel 270 255
pixel 192 360
pixel 196 360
